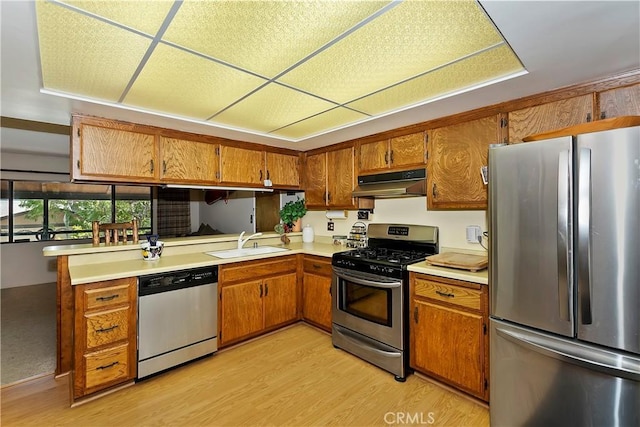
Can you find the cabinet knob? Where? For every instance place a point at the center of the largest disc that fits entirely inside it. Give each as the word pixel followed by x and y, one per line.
pixel 260 290
pixel 386 158
pixel 391 156
pixel 164 166
pixel 434 190
pixel 151 166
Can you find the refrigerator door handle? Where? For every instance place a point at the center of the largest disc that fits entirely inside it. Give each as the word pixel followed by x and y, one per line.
pixel 614 364
pixel 584 235
pixel 564 213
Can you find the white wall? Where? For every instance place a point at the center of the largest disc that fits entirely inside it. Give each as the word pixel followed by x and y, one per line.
pixel 413 210
pixel 23 264
pixel 233 215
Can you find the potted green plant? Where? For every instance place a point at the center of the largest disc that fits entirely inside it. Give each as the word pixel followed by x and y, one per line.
pixel 291 215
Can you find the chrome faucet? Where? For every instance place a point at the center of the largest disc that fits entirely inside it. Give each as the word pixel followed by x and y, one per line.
pixel 242 242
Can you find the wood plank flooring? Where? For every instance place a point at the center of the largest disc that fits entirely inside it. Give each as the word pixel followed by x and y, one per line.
pixel 294 377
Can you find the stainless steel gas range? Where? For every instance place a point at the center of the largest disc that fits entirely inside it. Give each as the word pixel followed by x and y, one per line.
pixel 370 292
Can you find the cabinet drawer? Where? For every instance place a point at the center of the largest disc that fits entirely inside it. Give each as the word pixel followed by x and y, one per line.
pixel 316 266
pixel 107 297
pixel 252 269
pixel 107 366
pixel 107 327
pixel 464 297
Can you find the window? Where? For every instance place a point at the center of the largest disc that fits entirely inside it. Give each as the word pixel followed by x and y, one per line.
pixel 33 211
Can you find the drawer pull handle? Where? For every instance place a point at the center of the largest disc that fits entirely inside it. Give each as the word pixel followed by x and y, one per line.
pixel 107 329
pixel 444 294
pixel 316 266
pixel 110 365
pixel 109 298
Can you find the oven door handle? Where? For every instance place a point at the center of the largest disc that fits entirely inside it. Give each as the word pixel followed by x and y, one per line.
pixel 341 273
pixel 366 347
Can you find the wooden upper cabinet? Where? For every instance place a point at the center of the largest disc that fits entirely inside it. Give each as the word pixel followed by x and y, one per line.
pixel 315 180
pixel 340 178
pixel 624 101
pixel 188 161
pixel 241 166
pixel 108 150
pixel 549 116
pixel 456 154
pixel 283 169
pixel 407 150
pixel 396 153
pixel 373 156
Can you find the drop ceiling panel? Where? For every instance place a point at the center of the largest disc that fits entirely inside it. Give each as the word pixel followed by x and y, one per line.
pixel 332 119
pixel 270 108
pixel 146 16
pixel 463 75
pixel 265 37
pixel 181 83
pixel 82 55
pixel 409 39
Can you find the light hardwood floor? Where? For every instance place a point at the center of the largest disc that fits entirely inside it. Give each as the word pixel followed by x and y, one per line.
pixel 294 377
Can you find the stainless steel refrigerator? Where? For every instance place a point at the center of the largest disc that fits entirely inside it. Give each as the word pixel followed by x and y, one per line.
pixel 565 281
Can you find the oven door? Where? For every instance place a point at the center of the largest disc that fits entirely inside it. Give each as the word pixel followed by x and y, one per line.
pixel 368 304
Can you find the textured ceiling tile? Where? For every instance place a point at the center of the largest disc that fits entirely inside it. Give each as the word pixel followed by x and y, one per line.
pixel 272 107
pixel 181 83
pixel 143 15
pixel 84 56
pixel 264 37
pixel 464 75
pixel 409 39
pixel 322 123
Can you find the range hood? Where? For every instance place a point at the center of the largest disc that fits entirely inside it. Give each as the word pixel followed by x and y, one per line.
pixel 410 183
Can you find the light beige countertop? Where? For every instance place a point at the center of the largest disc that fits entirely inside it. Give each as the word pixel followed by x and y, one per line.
pixel 88 263
pixel 481 277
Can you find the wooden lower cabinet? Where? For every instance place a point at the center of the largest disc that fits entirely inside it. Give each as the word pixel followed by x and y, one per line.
pixel 105 318
pixel 316 291
pixel 448 332
pixel 250 306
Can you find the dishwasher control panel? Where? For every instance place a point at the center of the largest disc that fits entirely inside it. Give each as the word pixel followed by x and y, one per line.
pixel 172 280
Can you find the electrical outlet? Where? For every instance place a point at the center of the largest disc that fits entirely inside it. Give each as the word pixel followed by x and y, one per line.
pixel 363 215
pixel 330 226
pixel 474 234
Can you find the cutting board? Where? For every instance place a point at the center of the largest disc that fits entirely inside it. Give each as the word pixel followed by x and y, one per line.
pixel 458 260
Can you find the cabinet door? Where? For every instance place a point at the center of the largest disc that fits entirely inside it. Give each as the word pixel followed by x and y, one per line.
pixel 188 161
pixel 407 150
pixel 550 116
pixel 280 300
pixel 241 166
pixel 315 180
pixel 624 101
pixel 107 153
pixel 283 170
pixel 448 343
pixel 373 156
pixel 316 300
pixel 340 178
pixel 241 310
pixel 457 153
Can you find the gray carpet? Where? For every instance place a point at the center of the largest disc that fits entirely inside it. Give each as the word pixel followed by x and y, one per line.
pixel 28 332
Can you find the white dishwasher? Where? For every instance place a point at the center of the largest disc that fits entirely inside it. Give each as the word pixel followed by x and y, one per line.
pixel 177 318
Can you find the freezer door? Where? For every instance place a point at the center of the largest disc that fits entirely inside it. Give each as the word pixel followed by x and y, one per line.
pixel 530 233
pixel 608 238
pixel 544 380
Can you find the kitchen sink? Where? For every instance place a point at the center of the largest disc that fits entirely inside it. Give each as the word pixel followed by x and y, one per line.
pixel 236 253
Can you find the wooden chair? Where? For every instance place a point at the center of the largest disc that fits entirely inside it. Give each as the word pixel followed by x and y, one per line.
pixel 114 231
